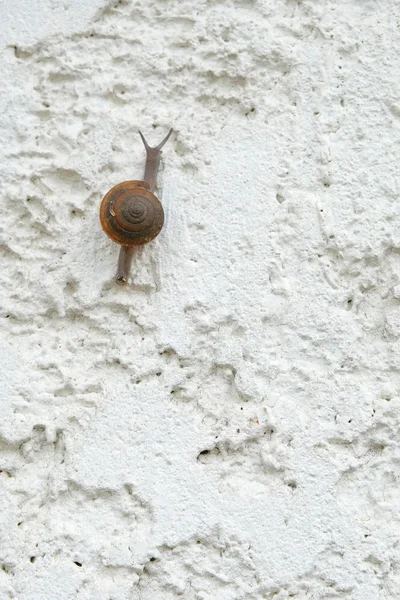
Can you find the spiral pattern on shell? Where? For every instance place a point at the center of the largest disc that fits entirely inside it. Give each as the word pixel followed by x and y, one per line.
pixel 130 214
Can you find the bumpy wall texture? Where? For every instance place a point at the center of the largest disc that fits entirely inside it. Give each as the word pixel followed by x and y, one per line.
pixel 226 427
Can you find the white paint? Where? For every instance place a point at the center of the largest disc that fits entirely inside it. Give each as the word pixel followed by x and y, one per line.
pixel 226 426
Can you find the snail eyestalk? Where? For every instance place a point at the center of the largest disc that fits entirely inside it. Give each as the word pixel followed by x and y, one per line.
pixel 153 160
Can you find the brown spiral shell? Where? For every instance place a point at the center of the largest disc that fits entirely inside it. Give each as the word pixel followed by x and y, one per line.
pixel 130 214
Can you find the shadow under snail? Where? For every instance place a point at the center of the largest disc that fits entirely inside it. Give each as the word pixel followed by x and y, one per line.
pixel 131 214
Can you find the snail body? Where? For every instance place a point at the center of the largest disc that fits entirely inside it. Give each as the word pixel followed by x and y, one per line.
pixel 130 213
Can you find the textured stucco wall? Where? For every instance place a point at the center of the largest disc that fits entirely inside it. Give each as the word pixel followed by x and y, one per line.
pixel 226 427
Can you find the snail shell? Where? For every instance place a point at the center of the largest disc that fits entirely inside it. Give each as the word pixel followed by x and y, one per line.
pixel 130 214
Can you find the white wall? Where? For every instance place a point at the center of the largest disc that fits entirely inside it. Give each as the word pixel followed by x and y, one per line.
pixel 226 426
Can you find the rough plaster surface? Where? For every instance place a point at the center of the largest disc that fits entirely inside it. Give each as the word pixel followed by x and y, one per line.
pixel 227 426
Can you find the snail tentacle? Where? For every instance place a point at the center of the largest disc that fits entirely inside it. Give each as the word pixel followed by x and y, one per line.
pixel 160 145
pixel 153 157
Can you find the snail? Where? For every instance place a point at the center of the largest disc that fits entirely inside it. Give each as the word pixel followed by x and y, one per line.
pixel 130 213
